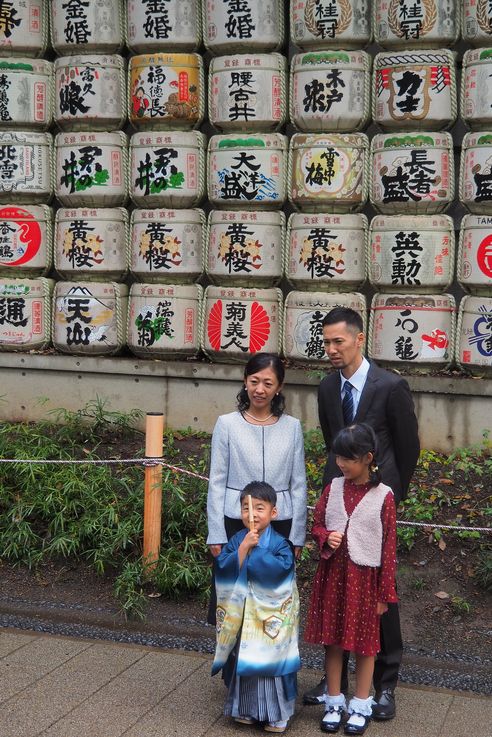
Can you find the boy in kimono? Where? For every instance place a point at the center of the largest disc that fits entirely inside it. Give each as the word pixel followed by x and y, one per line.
pixel 258 617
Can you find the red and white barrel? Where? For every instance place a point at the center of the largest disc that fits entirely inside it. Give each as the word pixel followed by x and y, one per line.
pixel 248 25
pixel 475 182
pixel 328 24
pixel 26 93
pixel 26 173
pixel 25 307
pixel 164 320
pixel 474 267
pixel 326 251
pixel 303 317
pixel 82 27
pixel 89 318
pixel 167 246
pixel 24 30
pixel 173 25
pixel 239 321
pixel 403 24
pixel 26 234
pixel 474 335
pixel 412 330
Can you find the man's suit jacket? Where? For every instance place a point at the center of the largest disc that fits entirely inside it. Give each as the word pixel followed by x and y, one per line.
pixel 386 404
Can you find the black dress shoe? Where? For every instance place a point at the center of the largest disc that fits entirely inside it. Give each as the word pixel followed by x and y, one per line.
pixel 357 728
pixel 317 694
pixel 385 707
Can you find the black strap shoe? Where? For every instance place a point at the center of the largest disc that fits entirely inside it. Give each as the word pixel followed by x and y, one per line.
pixel 384 707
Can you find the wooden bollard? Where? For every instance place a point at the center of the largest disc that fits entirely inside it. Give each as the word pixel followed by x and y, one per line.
pixel 154 428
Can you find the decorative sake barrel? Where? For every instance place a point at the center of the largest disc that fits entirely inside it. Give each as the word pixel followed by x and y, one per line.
pixel 474 335
pixel 91 169
pixel 166 91
pixel 328 172
pixel 167 246
pixel 26 240
pixel 25 307
pixel 89 318
pixel 233 27
pixel 476 93
pixel 475 183
pixel 245 247
pixel 474 267
pixel 91 243
pixel 167 169
pixel 326 251
pixel 412 172
pixel 26 95
pixel 328 24
pixel 476 22
pixel 409 252
pixel 164 320
pixel 330 90
pixel 303 318
pixel 414 90
pixel 412 330
pixel 26 174
pixel 248 92
pixel 90 92
pixel 24 28
pixel 173 25
pixel 241 321
pixel 406 24
pixel 87 26
pixel 247 171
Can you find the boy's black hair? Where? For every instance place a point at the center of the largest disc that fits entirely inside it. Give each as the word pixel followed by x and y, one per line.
pixel 260 490
pixel 354 442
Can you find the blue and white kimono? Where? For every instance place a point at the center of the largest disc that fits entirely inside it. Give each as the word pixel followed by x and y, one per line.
pixel 257 627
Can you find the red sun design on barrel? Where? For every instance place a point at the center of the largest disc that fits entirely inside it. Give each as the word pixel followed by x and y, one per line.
pixel 23 235
pixel 259 326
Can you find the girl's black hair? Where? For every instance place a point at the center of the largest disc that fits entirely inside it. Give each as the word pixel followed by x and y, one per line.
pixel 258 362
pixel 354 442
pixel 260 490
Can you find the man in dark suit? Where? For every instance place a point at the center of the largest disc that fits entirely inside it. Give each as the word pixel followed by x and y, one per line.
pixel 360 391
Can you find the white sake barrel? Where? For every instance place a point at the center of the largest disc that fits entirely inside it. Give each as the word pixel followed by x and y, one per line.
pixel 412 330
pixel 474 267
pixel 91 169
pixel 328 24
pixel 86 26
pixel 24 28
pixel 330 90
pixel 326 251
pixel 248 92
pixel 303 318
pixel 475 181
pixel 26 173
pixel 411 252
pixel 474 335
pixel 26 93
pixel 328 172
pixel 412 172
pixel 89 318
pixel 247 171
pixel 166 91
pixel 173 25
pixel 90 92
pixel 244 247
pixel 164 320
pixel 232 27
pixel 167 169
pixel 414 90
pixel 26 240
pixel 91 243
pixel 406 24
pixel 167 246
pixel 240 321
pixel 476 93
pixel 25 309
pixel 476 22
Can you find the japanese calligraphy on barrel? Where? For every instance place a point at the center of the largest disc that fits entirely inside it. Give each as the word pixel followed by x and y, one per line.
pixel 476 92
pixel 328 172
pixel 164 320
pixel 26 247
pixel 414 330
pixel 326 251
pixel 231 27
pixel 173 25
pixel 25 167
pixel 24 29
pixel 303 317
pixel 411 252
pixel 475 182
pixel 474 335
pixel 408 24
pixel 244 247
pixel 167 246
pixel 25 306
pixel 328 24
pixel 239 321
pixel 474 267
pixel 26 94
pixel 477 22
pixel 81 27
pixel 330 90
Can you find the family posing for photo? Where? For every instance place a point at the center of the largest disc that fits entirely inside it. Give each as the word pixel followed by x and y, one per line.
pixel 256 529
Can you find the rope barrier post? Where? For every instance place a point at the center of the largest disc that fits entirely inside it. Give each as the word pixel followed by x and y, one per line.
pixel 154 428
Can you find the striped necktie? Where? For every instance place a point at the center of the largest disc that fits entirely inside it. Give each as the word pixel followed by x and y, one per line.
pixel 347 403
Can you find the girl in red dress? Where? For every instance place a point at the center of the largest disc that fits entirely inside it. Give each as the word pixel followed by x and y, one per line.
pixel 355 528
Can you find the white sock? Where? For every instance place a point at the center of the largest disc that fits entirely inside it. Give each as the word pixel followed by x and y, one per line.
pixel 358 709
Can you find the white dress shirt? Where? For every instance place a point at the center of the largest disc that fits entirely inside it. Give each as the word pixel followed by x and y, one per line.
pixel 358 381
